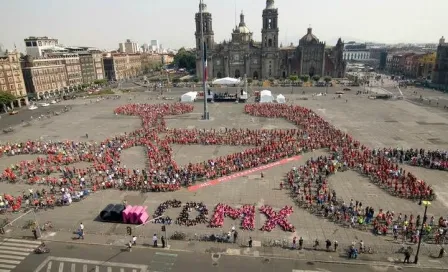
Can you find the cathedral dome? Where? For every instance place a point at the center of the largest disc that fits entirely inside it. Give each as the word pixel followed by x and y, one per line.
pixel 309 37
pixel 242 28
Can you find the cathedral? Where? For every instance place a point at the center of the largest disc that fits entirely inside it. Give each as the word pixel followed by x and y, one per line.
pixel 266 59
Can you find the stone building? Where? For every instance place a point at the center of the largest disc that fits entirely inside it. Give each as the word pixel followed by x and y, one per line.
pixel 150 61
pixel 11 78
pixel 91 66
pixel 440 74
pixel 266 59
pixel 44 77
pixel 73 69
pixel 119 66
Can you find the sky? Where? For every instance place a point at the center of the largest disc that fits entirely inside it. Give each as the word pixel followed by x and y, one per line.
pixel 105 23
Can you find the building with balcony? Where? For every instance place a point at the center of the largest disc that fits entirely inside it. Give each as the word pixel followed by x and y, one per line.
pixel 440 75
pixel 73 69
pixel 150 61
pixel 120 66
pixel 44 77
pixel 11 78
pixel 91 66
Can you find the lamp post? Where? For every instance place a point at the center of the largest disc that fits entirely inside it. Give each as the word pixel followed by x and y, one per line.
pixel 426 204
pixel 206 115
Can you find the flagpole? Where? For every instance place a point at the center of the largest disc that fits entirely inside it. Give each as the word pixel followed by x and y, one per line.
pixel 203 60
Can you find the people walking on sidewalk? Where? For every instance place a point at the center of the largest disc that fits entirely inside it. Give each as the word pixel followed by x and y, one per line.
pixel 81 231
pixel 154 240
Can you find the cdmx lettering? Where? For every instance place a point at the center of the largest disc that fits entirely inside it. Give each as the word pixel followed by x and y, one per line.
pixel 246 214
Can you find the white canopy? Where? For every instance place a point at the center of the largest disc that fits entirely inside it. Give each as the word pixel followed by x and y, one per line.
pixel 281 99
pixel 188 97
pixel 266 96
pixel 226 81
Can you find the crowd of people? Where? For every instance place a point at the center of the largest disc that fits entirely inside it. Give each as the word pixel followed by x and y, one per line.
pixel 277 218
pixel 434 159
pixel 308 182
pixel 158 216
pixel 246 213
pixel 184 216
pixel 309 188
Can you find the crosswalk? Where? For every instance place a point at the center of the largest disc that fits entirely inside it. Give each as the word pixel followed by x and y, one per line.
pixel 298 270
pixel 162 262
pixel 14 251
pixel 60 264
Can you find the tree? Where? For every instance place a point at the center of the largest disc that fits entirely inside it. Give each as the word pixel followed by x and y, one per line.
pixel 316 78
pixel 6 99
pixel 327 79
pixel 176 80
pixel 249 81
pixel 305 78
pixel 196 80
pixel 185 59
pixel 100 82
pixel 293 78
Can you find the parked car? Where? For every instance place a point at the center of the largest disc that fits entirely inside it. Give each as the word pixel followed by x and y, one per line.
pixel 346 89
pixel 13 112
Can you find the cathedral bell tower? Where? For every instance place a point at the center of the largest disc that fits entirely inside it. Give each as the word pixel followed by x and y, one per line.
pixel 209 38
pixel 269 43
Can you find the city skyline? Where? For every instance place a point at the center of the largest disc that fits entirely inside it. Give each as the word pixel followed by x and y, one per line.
pixel 107 23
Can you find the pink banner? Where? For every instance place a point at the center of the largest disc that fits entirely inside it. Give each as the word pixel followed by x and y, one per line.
pixel 240 174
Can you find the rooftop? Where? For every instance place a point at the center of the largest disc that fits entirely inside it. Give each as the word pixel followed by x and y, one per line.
pixel 31 38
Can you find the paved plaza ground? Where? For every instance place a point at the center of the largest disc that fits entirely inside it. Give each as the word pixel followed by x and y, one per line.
pixel 376 123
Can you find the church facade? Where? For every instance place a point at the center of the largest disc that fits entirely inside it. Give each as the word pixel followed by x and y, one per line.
pixel 265 59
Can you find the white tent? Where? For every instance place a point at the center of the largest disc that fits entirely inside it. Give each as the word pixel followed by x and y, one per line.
pixel 226 81
pixel 266 96
pixel 188 97
pixel 281 99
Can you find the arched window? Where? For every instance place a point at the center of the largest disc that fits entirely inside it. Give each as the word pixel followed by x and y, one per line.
pixel 255 75
pixel 237 73
pixel 270 42
pixel 219 75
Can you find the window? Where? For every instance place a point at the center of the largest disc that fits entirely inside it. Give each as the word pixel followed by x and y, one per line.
pixel 11 86
pixel 40 43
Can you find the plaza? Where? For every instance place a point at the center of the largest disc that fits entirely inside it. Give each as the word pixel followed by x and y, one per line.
pixel 375 123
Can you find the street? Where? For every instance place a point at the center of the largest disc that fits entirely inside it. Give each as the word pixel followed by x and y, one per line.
pixel 25 115
pixel 65 257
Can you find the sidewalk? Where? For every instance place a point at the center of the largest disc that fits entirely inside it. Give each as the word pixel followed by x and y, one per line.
pixel 387 260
